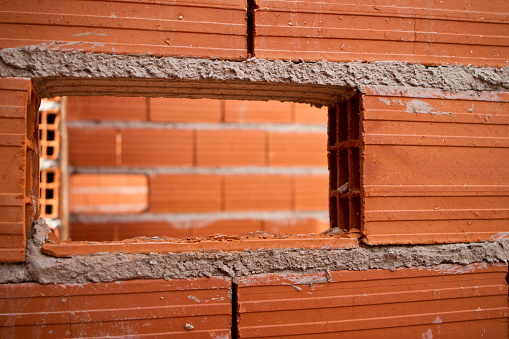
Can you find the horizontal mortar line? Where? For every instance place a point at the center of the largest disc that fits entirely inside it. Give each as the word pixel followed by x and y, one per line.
pixel 290 128
pixel 208 217
pixel 201 170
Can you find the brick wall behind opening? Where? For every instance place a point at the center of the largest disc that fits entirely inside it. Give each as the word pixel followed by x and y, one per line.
pixel 183 167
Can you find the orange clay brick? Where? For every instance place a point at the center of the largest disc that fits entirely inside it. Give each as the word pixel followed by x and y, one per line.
pixel 185 193
pixel 185 110
pixel 92 147
pixel 193 28
pixel 230 227
pixel 257 111
pixel 258 193
pixel 230 148
pixel 111 231
pixel 108 193
pixel 297 149
pixel 157 147
pixel 311 192
pixel 106 108
pixel 307 114
pixel 296 226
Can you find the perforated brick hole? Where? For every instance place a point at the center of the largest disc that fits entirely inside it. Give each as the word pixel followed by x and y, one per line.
pixel 344 160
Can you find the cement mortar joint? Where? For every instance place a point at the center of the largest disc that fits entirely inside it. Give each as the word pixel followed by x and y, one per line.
pixel 339 80
pixel 106 267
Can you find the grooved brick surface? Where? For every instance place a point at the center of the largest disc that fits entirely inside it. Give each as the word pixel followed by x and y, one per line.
pixel 297 149
pixel 445 301
pixel 157 147
pixel 117 309
pixel 92 147
pixel 257 193
pixel 185 110
pixel 19 166
pixel 181 28
pixel 106 108
pixel 435 166
pixel 185 193
pixel 258 111
pixel 223 148
pixel 447 32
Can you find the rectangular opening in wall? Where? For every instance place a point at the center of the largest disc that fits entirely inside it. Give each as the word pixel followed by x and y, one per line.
pixel 180 168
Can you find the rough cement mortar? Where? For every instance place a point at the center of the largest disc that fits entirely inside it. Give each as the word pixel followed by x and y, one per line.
pixel 14 273
pixel 47 67
pixel 118 266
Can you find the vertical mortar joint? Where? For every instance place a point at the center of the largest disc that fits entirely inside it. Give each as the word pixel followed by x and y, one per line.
pixel 251 8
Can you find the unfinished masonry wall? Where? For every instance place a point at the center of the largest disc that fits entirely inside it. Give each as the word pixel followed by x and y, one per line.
pixel 423 146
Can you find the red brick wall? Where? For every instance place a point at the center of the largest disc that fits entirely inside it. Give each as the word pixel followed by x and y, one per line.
pixel 183 28
pixel 209 158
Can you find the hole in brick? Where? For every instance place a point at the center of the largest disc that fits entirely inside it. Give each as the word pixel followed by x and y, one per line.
pixel 343 121
pixel 50 150
pixel 48 209
pixel 51 117
pixel 333 212
pixel 353 118
pixel 332 124
pixel 342 168
pixel 355 213
pixel 49 193
pixel 333 170
pixel 51 135
pixel 343 213
pixel 354 182
pixel 50 177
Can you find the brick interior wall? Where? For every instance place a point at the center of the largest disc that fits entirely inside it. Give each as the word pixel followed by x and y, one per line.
pixel 183 167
